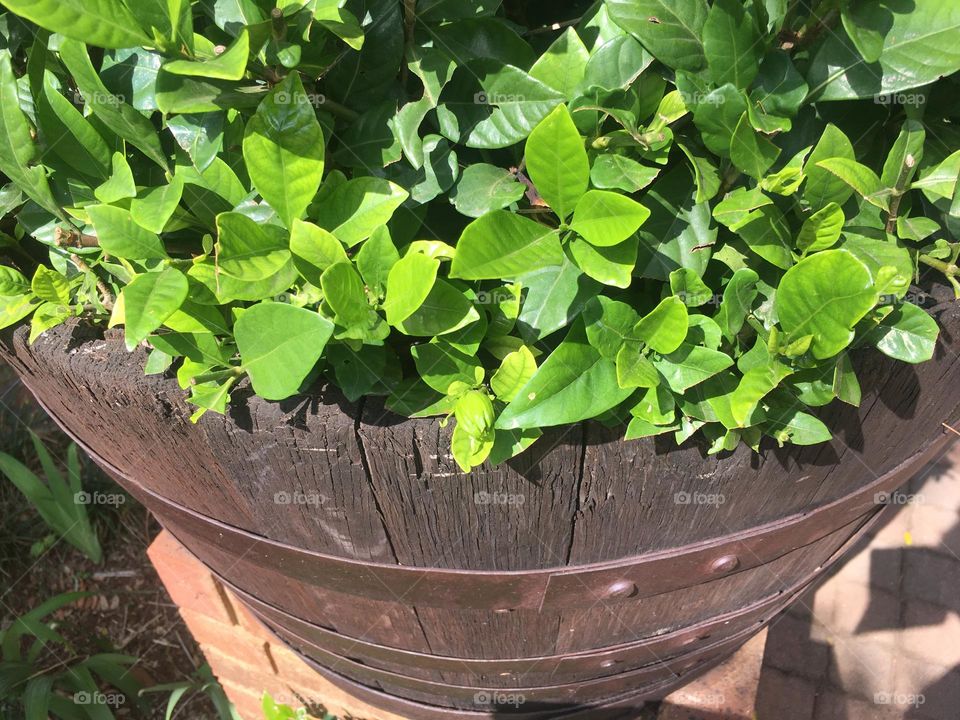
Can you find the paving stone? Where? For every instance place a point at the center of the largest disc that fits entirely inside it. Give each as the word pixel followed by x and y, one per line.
pixel 936 528
pixel 783 696
pixel 791 649
pixel 834 705
pixel 932 577
pixel 877 567
pixel 931 632
pixel 861 608
pixel 923 689
pixel 861 666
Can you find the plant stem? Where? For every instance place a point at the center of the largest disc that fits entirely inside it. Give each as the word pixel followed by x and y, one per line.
pixel 906 170
pixel 948 269
pixel 106 297
pixel 336 108
pixel 217 376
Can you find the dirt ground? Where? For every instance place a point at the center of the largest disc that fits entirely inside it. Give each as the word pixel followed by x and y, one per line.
pixel 128 611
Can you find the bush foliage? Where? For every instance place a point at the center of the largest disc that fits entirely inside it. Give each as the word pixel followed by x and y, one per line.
pixel 679 216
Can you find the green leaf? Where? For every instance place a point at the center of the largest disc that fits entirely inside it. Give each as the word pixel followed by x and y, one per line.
pixel 279 345
pixel 640 428
pixel 484 188
pixel 563 64
pixel 704 173
pixel 823 187
pixel 79 144
pixel 17 149
pixel 149 300
pixel 790 424
pixel 768 234
pixel 672 31
pixel 822 229
pixel 780 89
pixel 502 244
pixel 248 250
pixel 617 172
pixel 555 296
pixel 408 284
pixel 689 288
pixel 634 370
pixel 439 365
pixel 732 44
pixel 557 162
pixel 609 324
pixel 717 116
pixel 50 286
pixel 825 295
pixel 283 149
pixel 509 107
pixel 908 334
pixel 615 65
pixel 445 310
pixel 665 328
pixel 154 210
pixel 738 297
pixel 606 218
pixel 574 383
pixel 514 373
pixel 756 384
pixel 15 308
pixel 117 115
pixel 751 151
pixel 104 23
pixel 120 235
pixel 229 65
pixel 343 291
pixel 906 46
pixel 12 282
pixel 354 209
pixel 612 265
pixel 314 250
pixel 376 258
pixel 691 365
pixel 862 179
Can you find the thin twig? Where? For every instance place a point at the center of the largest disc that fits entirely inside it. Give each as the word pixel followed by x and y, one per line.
pixel 106 297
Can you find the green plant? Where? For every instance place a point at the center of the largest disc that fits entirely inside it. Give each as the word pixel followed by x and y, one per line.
pixel 42 676
pixel 61 502
pixel 272 710
pixel 682 215
pixel 202 682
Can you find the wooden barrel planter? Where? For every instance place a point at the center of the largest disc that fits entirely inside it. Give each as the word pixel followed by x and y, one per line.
pixel 587 573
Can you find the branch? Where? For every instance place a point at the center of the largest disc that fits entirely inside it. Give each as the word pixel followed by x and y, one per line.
pixel 106 297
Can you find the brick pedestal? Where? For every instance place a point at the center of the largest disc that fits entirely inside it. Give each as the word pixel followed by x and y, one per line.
pixel 248 661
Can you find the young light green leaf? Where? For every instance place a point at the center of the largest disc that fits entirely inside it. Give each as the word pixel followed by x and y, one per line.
pixel 440 365
pixel 822 229
pixel 755 385
pixel 343 291
pixel 825 295
pixel 231 64
pixel 862 179
pixel 484 188
pixel 408 284
pixel 691 365
pixel 514 373
pixel 751 151
pixel 575 382
pixel 283 149
pixel 120 185
pixel 354 209
pixel 119 234
pixel 149 300
pixel 250 251
pixel 50 286
pixel 445 310
pixel 563 64
pixel 738 297
pixel 908 334
pixel 502 244
pixel 634 370
pixel 665 328
pixel 279 346
pixel 618 172
pixel 314 250
pixel 154 210
pixel 557 161
pixel 606 218
pixel 823 187
pixel 609 265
